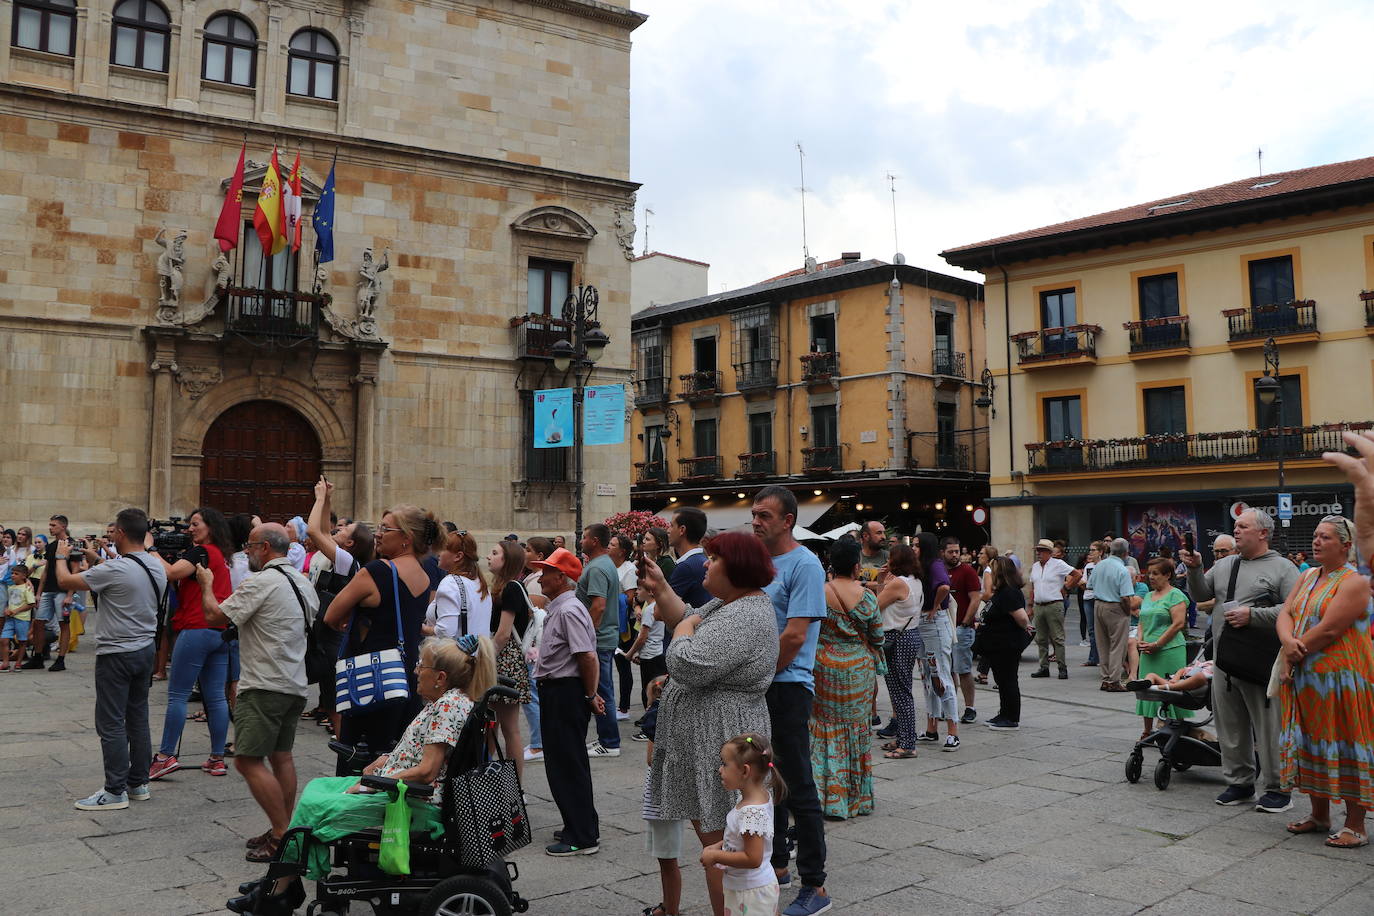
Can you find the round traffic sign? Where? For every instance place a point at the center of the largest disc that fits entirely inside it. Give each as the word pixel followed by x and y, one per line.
pixel 980 515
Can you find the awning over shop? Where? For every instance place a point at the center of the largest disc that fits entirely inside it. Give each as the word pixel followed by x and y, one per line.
pixel 723 515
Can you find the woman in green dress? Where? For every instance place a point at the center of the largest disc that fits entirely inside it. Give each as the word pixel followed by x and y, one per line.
pixel 846 672
pixel 1163 616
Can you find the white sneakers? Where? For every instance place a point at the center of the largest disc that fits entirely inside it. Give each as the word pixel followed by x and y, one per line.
pixel 533 756
pixel 596 749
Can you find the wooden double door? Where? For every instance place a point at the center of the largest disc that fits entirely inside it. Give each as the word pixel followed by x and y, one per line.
pixel 262 458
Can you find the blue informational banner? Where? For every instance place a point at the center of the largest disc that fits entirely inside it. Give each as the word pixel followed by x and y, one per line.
pixel 603 415
pixel 553 418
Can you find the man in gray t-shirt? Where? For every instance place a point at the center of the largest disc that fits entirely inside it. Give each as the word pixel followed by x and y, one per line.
pixel 129 589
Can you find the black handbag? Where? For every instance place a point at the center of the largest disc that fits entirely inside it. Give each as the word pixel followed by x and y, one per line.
pixel 1245 653
pixel 319 653
pixel 490 812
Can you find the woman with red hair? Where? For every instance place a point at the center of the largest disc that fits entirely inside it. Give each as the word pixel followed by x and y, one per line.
pixel 721 661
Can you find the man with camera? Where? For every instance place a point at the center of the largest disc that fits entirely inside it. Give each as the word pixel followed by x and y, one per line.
pixel 130 588
pixel 272 611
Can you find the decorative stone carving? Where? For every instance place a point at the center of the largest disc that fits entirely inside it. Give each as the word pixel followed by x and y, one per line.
pixel 169 272
pixel 555 221
pixel 197 380
pixel 625 231
pixel 370 290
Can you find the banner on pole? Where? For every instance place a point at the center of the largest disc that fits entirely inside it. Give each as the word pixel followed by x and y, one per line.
pixel 553 418
pixel 603 415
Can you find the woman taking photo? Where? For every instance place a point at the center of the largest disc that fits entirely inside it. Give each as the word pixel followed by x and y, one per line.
pixel 846 675
pixel 647 651
pixel 367 608
pixel 900 604
pixel 510 608
pixel 1327 690
pixel 1003 636
pixel 199 652
pixel 720 664
pixel 1163 618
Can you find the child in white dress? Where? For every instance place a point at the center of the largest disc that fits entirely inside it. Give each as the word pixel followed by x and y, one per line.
pixel 751 886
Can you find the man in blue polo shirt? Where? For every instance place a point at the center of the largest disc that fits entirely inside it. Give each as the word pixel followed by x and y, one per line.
pixel 798 595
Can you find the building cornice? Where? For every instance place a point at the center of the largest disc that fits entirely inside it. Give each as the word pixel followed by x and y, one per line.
pixel 608 13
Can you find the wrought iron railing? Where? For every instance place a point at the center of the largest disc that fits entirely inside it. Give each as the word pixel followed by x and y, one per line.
pixel 1367 297
pixel 755 374
pixel 821 458
pixel 1057 343
pixel 270 317
pixel 1158 333
pixel 651 390
pixel 651 472
pixel 1299 317
pixel 1292 442
pixel 536 335
pixel 704 467
pixel 757 464
pixel 948 362
pixel 703 383
pixel 818 366
pixel 952 457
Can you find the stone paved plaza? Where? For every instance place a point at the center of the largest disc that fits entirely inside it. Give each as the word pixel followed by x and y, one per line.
pixel 1039 821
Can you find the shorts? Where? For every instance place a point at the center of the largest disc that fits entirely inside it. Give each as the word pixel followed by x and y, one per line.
pixel 15 629
pixel 50 608
pixel 963 650
pixel 265 722
pixel 762 901
pixel 663 839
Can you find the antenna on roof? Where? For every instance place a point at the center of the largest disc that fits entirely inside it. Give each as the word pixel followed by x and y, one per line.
pixel 647 213
pixel 801 166
pixel 892 186
pixel 1260 154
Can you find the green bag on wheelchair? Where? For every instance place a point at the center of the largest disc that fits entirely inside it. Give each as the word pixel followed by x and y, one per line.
pixel 394 854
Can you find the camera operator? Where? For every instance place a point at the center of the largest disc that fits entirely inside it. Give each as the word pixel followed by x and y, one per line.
pixel 130 587
pixel 272 610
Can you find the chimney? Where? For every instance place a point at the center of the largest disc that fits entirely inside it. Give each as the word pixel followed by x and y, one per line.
pixel 849 257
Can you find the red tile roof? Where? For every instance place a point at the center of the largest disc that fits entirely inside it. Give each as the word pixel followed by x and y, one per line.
pixel 1244 191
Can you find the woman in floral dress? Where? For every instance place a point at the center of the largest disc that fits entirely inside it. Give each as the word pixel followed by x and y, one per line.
pixel 846 675
pixel 1326 737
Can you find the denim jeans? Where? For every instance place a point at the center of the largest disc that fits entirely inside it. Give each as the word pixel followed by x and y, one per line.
pixel 199 655
pixel 121 716
pixel 1090 609
pixel 789 711
pixel 532 714
pixel 607 726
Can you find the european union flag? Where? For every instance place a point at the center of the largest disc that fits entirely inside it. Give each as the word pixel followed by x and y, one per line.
pixel 323 219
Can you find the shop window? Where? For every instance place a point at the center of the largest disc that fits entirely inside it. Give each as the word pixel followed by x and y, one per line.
pixel 542 465
pixel 231 51
pixel 45 25
pixel 313 65
pixel 142 30
pixel 549 284
pixel 1271 281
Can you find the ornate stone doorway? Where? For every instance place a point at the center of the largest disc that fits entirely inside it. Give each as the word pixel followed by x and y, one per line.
pixel 260 457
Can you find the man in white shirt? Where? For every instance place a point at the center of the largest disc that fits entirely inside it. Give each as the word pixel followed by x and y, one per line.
pixel 1050 579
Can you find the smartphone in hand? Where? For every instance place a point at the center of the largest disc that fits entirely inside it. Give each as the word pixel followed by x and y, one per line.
pixel 1188 542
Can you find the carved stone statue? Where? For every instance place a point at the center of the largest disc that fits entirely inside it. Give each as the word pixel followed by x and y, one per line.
pixel 222 273
pixel 370 289
pixel 625 232
pixel 169 271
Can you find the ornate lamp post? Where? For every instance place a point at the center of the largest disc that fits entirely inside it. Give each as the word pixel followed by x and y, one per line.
pixel 1269 394
pixel 580 354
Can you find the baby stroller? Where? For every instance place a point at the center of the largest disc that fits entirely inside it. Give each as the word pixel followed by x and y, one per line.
pixel 464 870
pixel 1178 748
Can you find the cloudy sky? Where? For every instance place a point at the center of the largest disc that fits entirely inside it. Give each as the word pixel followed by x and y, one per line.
pixel 994 116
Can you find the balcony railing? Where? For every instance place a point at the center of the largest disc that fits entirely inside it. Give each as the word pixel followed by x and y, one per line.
pixel 651 390
pixel 1367 297
pixel 703 383
pixel 693 470
pixel 1158 333
pixel 1077 340
pixel 821 458
pixel 1260 321
pixel 820 366
pixel 953 457
pixel 757 464
pixel 948 362
pixel 536 335
pixel 756 374
pixel 648 472
pixel 277 318
pixel 1195 449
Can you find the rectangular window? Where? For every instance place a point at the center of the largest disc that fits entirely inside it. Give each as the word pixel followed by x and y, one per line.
pixel 944 332
pixel 1059 309
pixel 823 333
pixel 760 433
pixel 654 438
pixel 549 283
pixel 704 355
pixel 651 365
pixel 126 46
pixel 1166 414
pixel 1158 296
pixel 278 274
pixel 946 436
pixel 1063 420
pixel 241 62
pixel 1271 281
pixel 542 465
pixel 825 431
pixel 704 442
pixel 28 28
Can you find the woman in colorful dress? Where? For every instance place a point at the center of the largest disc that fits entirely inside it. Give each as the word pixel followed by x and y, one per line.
pixel 1163 617
pixel 1327 688
pixel 846 675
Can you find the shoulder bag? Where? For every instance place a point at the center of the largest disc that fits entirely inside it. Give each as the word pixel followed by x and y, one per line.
pixel 486 802
pixel 319 655
pixel 371 680
pixel 1246 653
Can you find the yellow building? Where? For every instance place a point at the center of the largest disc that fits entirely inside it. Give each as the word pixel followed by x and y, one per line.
pixel 1127 347
pixel 852 382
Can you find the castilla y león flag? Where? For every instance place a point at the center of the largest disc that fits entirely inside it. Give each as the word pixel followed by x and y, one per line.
pixel 268 219
pixel 291 205
pixel 227 227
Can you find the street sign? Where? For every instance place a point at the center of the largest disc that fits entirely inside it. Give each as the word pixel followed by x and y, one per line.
pixel 980 515
pixel 1285 508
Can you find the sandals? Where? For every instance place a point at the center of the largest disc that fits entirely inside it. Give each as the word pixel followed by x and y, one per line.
pixel 900 753
pixel 1359 839
pixel 258 840
pixel 267 852
pixel 891 746
pixel 980 679
pixel 311 713
pixel 1308 825
pixel 197 717
pixel 656 910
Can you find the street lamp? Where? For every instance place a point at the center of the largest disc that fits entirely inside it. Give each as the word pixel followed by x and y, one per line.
pixel 579 353
pixel 1269 394
pixel 984 400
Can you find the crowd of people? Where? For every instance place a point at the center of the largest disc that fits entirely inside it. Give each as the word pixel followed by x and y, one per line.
pixel 757 659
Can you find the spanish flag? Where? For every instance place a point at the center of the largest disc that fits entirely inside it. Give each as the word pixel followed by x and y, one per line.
pixel 268 219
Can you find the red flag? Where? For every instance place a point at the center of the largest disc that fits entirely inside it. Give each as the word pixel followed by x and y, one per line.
pixel 291 205
pixel 227 227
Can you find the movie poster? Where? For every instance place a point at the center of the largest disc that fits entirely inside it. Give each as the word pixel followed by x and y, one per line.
pixel 1152 526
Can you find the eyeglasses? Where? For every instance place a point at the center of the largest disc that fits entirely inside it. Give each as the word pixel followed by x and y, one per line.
pixel 383 529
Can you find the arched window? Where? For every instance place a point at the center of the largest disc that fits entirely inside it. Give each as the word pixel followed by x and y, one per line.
pixel 142 30
pixel 314 65
pixel 45 25
pixel 231 50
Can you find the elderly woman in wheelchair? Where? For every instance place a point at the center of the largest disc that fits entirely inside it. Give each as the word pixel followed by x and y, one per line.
pixel 450 676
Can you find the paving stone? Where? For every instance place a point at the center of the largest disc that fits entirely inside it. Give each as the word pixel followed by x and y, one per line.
pixel 1294 880
pixel 1069 902
pixel 1197 903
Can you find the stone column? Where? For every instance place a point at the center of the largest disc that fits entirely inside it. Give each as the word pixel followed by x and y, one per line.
pixel 348 78
pixel 92 74
pixel 163 368
pixel 272 59
pixel 365 425
pixel 187 40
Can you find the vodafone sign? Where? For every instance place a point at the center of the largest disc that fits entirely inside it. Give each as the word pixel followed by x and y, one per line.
pixel 1300 507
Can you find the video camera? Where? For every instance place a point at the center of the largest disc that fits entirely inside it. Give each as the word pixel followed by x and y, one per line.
pixel 171 538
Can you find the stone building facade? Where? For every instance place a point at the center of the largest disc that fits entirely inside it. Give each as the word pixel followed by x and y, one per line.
pixel 482 162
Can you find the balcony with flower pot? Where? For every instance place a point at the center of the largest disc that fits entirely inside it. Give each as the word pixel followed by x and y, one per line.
pixel 701 385
pixel 1291 322
pixel 1075 345
pixel 702 469
pixel 820 367
pixel 1155 338
pixel 754 465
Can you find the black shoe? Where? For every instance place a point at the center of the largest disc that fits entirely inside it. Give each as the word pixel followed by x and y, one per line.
pixel 1137 685
pixel 889 732
pixel 1001 724
pixel 639 736
pixel 1274 802
pixel 1063 674
pixel 248 887
pixel 1043 672
pixel 1235 795
pixel 877 720
pixel 59 665
pixel 928 736
pixel 260 903
pixel 970 715
pixel 33 664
